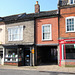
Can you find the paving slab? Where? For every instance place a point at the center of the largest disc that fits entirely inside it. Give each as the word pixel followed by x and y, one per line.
pixel 51 68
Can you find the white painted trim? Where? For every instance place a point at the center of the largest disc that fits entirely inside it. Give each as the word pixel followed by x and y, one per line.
pixel 13 28
pixel 3 55
pixel 50 32
pixel 69 2
pixel 2 60
pixel 66 23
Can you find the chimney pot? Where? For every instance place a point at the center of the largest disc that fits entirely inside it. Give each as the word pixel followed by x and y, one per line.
pixel 36 2
pixel 37 7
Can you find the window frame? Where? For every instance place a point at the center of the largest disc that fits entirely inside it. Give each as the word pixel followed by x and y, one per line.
pixel 63 51
pixel 50 32
pixel 12 28
pixel 71 3
pixel 66 23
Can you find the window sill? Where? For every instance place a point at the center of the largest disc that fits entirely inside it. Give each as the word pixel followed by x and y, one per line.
pixel 47 40
pixel 70 4
pixel 70 31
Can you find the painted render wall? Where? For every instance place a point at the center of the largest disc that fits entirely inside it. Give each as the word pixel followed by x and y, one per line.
pixel 28 32
pixel 2 33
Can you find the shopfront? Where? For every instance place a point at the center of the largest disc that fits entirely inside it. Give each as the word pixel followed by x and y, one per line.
pixel 1 55
pixel 67 52
pixel 18 55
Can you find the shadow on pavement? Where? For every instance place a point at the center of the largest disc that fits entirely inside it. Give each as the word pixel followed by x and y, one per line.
pixel 57 73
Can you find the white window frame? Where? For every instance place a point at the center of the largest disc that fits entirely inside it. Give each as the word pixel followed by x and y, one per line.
pixel 19 33
pixel 66 23
pixel 50 32
pixel 70 2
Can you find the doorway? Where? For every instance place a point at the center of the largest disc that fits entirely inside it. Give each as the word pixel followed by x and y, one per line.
pixel 27 56
pixel 47 55
pixel 1 57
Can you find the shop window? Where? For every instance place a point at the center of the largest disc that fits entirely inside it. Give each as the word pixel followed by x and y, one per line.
pixel 68 51
pixel 15 33
pixel 46 32
pixel 11 55
pixel 70 24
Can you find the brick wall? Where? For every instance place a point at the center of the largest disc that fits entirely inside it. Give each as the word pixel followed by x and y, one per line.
pixel 54 23
pixel 14 64
pixel 68 63
pixel 66 12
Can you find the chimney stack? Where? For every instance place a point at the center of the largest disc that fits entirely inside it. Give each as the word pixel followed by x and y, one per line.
pixel 37 7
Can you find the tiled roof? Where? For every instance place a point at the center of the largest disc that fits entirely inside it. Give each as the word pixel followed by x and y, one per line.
pixel 29 16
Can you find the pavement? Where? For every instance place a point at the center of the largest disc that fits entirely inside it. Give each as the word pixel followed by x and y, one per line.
pixel 29 72
pixel 41 68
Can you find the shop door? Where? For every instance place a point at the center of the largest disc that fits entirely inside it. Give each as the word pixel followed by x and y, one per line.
pixel 27 57
pixel 54 54
pixel 21 57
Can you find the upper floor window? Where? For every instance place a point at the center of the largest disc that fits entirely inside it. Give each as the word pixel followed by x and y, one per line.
pixel 46 32
pixel 15 33
pixel 72 1
pixel 70 24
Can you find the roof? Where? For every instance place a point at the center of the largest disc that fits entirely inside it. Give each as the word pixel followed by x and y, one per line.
pixel 30 16
pixel 1 19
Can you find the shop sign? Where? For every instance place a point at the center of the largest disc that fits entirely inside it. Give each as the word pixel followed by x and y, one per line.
pixel 74 45
pixel 32 51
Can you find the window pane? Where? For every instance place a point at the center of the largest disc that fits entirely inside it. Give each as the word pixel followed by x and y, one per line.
pixel 9 34
pixel 70 24
pixel 70 51
pixel 46 32
pixel 71 1
pixel 74 1
pixel 15 33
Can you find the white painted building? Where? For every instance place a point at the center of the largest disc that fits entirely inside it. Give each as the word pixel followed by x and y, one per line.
pixel 2 41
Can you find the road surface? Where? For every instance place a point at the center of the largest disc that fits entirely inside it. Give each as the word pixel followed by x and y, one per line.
pixel 28 72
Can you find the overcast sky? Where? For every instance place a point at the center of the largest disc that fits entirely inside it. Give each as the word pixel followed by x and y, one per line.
pixel 12 7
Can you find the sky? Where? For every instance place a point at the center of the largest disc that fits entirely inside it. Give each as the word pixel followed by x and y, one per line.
pixel 12 7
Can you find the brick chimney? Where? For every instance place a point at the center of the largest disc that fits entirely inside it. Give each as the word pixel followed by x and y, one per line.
pixel 37 7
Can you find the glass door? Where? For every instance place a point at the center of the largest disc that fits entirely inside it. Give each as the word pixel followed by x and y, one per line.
pixel 21 57
pixel 27 57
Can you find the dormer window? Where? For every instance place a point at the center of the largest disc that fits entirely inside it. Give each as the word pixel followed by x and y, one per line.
pixel 72 1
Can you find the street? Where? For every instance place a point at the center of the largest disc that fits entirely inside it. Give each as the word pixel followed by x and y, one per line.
pixel 28 72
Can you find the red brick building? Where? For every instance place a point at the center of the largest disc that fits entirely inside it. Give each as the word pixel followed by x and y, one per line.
pixel 67 32
pixel 46 36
